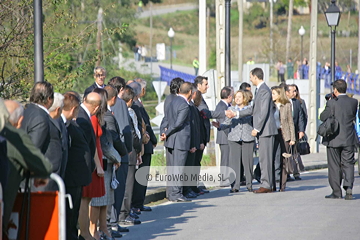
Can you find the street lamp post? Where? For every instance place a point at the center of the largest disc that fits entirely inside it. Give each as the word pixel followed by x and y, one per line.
pixel 171 35
pixel 301 33
pixel 332 15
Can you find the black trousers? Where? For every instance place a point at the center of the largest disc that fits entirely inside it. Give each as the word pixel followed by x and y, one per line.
pixel 72 215
pixel 190 161
pixel 197 165
pixel 121 176
pixel 139 191
pixel 341 163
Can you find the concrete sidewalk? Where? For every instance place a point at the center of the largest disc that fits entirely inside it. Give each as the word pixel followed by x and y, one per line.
pixel 311 161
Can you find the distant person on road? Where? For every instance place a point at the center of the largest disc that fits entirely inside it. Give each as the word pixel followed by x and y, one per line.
pixel 290 69
pixel 340 146
pixel 196 65
pixel 135 50
pixel 140 6
pixel 250 61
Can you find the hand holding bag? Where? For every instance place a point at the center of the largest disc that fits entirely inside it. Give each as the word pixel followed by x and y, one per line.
pixel 303 146
pixel 114 182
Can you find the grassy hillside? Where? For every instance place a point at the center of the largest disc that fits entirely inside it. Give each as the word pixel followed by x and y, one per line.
pixel 255 41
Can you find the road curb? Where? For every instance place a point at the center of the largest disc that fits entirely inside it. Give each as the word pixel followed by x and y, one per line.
pixel 157 194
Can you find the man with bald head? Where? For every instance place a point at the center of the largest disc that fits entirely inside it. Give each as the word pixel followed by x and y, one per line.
pixel 88 108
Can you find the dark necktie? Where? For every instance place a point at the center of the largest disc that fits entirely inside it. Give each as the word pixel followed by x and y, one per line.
pixel 256 89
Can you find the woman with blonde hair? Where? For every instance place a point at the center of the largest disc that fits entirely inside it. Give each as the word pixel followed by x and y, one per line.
pixel 241 143
pixel 286 130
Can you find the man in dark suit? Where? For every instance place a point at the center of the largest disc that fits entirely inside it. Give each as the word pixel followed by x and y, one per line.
pixel 88 108
pixel 121 114
pixel 264 127
pixel 140 190
pixel 36 115
pixel 56 151
pixel 174 90
pixel 226 96
pixel 99 75
pixel 23 156
pixel 177 138
pixel 113 128
pixel 78 168
pixel 340 146
pixel 202 85
pixel 124 214
pixel 299 124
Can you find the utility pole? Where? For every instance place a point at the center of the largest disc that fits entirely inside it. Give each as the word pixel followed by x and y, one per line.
pixel 98 37
pixel 151 36
pixel 288 39
pixel 313 81
pixel 220 43
pixel 202 37
pixel 240 53
pixel 38 42
pixel 227 44
pixel 271 33
pixel 358 62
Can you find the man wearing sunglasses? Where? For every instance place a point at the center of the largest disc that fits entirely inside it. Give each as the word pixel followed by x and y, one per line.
pixel 99 75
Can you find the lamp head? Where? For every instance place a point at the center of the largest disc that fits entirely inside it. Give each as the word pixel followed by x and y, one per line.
pixel 302 31
pixel 332 15
pixel 171 33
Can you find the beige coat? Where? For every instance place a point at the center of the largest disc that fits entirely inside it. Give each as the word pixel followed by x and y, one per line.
pixel 287 123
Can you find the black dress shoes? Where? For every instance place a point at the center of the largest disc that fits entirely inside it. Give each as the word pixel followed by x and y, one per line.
pixel 182 199
pixel 190 195
pixel 234 190
pixel 116 234
pixel 290 179
pixel 203 190
pixel 133 215
pixel 348 195
pixel 297 178
pixel 136 210
pixel 145 209
pixel 122 229
pixel 332 196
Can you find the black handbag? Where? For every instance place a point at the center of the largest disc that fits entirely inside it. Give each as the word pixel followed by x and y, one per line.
pixel 303 146
pixel 293 162
pixel 329 127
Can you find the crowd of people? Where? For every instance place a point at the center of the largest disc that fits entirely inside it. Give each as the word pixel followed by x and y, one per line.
pixel 96 143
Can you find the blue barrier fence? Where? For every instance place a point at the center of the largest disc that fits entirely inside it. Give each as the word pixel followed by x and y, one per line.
pixel 167 74
pixel 352 80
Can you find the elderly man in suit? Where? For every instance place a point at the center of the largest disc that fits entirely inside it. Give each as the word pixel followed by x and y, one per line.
pixel 99 75
pixel 264 127
pixel 299 123
pixel 122 117
pixel 341 145
pixel 177 138
pixel 88 108
pixel 58 145
pixel 23 156
pixel 140 190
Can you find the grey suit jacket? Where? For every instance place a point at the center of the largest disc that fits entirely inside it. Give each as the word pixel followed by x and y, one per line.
pixel 36 124
pixel 262 112
pixel 345 109
pixel 122 117
pixel 222 136
pixel 178 133
pixel 239 129
pixel 164 123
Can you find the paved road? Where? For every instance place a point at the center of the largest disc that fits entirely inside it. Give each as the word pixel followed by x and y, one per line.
pixel 301 212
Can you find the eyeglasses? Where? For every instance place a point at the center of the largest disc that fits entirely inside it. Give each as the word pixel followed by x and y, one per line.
pixel 100 75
